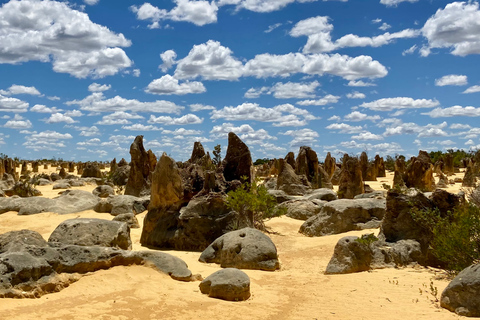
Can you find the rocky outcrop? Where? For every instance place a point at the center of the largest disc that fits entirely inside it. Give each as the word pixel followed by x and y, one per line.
pixel 243 249
pixel 238 160
pixel 91 170
pixel 323 194
pixel 103 191
pixel 351 180
pixel 31 267
pixel 330 165
pixel 301 209
pixel 93 232
pixel 227 284
pixel 141 166
pixel 129 219
pixel 288 181
pixel 461 295
pixel 448 168
pixel 119 204
pixel 419 173
pixel 198 152
pixel 290 159
pixel 344 215
pixel 380 165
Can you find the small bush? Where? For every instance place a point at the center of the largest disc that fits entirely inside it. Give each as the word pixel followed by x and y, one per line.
pixel 367 239
pixel 254 204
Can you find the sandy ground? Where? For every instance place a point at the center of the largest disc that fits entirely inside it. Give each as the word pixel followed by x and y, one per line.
pixel 299 290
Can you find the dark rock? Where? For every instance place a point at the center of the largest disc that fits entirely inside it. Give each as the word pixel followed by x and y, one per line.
pixel 61 185
pixel 238 160
pixel 198 152
pixel 281 196
pixel 351 181
pixel 372 195
pixel 228 284
pixel 119 204
pixel 419 173
pixel 461 295
pixel 93 232
pixel 244 249
pixel 301 209
pixel 322 194
pixel 120 176
pixel 330 165
pixel 288 181
pixel 129 219
pixel 92 170
pixel 290 159
pixel 350 256
pixel 142 164
pixel 103 191
pixel 344 215
pixel 380 165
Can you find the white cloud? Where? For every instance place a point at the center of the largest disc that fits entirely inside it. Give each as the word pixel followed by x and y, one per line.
pixel 391 3
pixel 366 135
pixel 96 102
pixel 95 87
pixel 197 12
pixel 459 126
pixel 50 31
pixel 44 109
pixel 356 95
pixel 18 89
pixel 410 50
pixel 199 107
pixel 118 117
pixel 455 111
pixel 291 90
pixel 221 131
pixel 344 128
pixel 141 127
pixel 168 85
pixel 457 26
pixel 334 118
pixel 430 130
pixel 59 117
pixel 210 61
pixel 183 132
pixel 358 116
pixel 168 57
pixel 46 140
pixel 74 113
pixel 389 104
pixel 385 26
pixel 451 80
pixel 272 27
pixel 472 89
pixel 53 98
pixel 8 104
pixel 254 93
pixel 186 119
pixel 328 99
pixel 360 83
pixel 18 122
pixel 303 137
pixel 91 2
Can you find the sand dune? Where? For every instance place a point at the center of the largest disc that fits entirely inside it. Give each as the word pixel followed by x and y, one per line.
pixel 299 290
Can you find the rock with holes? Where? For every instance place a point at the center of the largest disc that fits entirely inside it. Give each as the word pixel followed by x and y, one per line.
pixel 103 191
pixel 244 249
pixel 461 295
pixel 92 232
pixel 227 284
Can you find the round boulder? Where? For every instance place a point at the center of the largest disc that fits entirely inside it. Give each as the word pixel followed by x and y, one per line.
pixel 227 284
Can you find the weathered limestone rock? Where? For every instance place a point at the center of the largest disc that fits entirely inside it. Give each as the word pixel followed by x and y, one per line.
pixel 461 295
pixel 238 160
pixel 103 191
pixel 419 173
pixel 227 284
pixel 91 170
pixel 448 169
pixel 290 159
pixel 364 164
pixel 351 181
pixel 142 165
pixel 302 209
pixel 288 181
pixel 380 165
pixel 330 165
pixel 244 249
pixel 198 152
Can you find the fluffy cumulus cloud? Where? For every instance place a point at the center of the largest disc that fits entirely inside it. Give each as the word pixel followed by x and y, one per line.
pixel 288 90
pixel 166 120
pixel 281 115
pixel 389 104
pixel 199 107
pixel 18 122
pixel 50 31
pixel 356 95
pixel 328 99
pixel 358 116
pixel 9 104
pixel 451 80
pixel 430 130
pixel 142 127
pixel 96 87
pixel 96 102
pixel 457 27
pixel 168 85
pixel 46 140
pixel 118 117
pixel 455 111
pixel 318 30
pixel 366 135
pixel 303 137
pixel 344 128
pixel 168 57
pixel 40 108
pixel 19 89
pixel 472 89
pixel 59 117
pixel 197 12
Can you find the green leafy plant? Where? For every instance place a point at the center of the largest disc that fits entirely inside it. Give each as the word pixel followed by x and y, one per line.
pixel 254 204
pixel 367 239
pixel 217 154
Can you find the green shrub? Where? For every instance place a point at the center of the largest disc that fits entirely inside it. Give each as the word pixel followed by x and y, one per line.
pixel 254 204
pixel 367 239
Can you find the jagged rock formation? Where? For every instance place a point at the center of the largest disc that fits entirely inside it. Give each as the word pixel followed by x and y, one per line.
pixel 330 165
pixel 90 170
pixel 380 165
pixel 198 152
pixel 290 159
pixel 351 181
pixel 238 160
pixel 419 173
pixel 288 181
pixel 142 164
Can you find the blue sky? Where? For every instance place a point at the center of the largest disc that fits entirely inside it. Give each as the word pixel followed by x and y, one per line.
pixel 80 79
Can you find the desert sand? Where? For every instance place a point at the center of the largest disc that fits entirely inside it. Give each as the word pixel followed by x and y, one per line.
pixel 299 290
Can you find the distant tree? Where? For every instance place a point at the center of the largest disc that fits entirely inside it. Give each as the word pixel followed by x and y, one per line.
pixel 217 154
pixel 261 161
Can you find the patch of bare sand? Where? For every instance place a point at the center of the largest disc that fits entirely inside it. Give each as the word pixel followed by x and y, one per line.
pixel 300 290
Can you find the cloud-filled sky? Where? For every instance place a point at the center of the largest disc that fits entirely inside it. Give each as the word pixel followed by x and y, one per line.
pixel 81 78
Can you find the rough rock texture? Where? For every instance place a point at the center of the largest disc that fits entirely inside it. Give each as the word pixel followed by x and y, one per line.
pixel 138 183
pixel 198 152
pixel 448 169
pixel 93 232
pixel 103 191
pixel 462 294
pixel 129 219
pixel 324 194
pixel 238 160
pixel 351 181
pixel 398 223
pixel 307 164
pixel 419 173
pixel 120 176
pixel 30 267
pixel 470 178
pixel 302 209
pixel 244 249
pixel 228 284
pixel 91 170
pixel 288 181
pixel 353 254
pixel 290 159
pixel 120 204
pixel 330 165
pixel 364 164
pixel 344 215
pixel 380 165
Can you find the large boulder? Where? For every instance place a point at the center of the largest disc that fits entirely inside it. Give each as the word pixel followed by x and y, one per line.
pixel 244 249
pixel 91 170
pixel 307 164
pixel 344 215
pixel 72 201
pixel 120 204
pixel 351 179
pixel 461 295
pixel 350 256
pixel 103 191
pixel 324 194
pixel 142 164
pixel 238 160
pixel 228 284
pixel 93 232
pixel 302 209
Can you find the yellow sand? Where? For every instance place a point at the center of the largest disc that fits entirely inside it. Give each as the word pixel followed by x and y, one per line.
pixel 299 290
